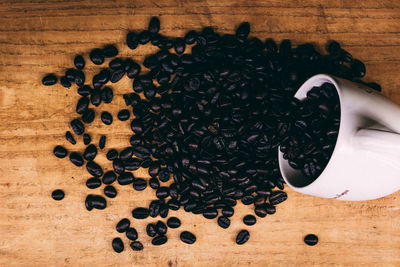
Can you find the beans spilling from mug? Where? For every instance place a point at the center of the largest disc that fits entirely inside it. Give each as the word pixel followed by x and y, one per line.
pixel 207 111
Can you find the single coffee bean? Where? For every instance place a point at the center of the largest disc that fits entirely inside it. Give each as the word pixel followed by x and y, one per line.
pixel 116 63
pixel 123 115
pixel 88 202
pixel 162 192
pixel 131 40
pixel 79 62
pixel 112 154
pixel 154 25
pixel 159 240
pixel 76 159
pixel 109 177
pixel 86 139
pixel 64 82
pixel 311 239
pixel 151 230
pixel 79 78
pixel 102 142
pixel 154 183
pixel 261 211
pixel 242 237
pixel 136 245
pixel 117 245
pixel 123 225
pixel 140 213
pixel 110 51
pixel 161 228
pixel 98 202
pixel 49 79
pixel 188 237
pixel 77 126
pixel 96 56
pixel 249 220
pixel 243 30
pixel 106 118
pixel 107 95
pixel 179 46
pixel 131 233
pixel 93 183
pixel 210 213
pixel 124 178
pixel 126 153
pixel 88 116
pixel 173 222
pixel 60 152
pixel 70 74
pixel 227 212
pixel 144 37
pixel 70 138
pixel 57 194
pixel 90 152
pixel 131 164
pixel 164 210
pixel 94 169
pixel 117 75
pixel 110 191
pixel 139 184
pixel 95 97
pixel 224 222
pixel 277 197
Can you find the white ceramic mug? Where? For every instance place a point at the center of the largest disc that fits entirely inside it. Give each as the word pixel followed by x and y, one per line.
pixel 365 163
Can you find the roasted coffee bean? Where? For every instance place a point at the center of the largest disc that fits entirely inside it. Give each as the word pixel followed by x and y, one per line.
pixel 249 220
pixel 117 245
pixel 85 90
pixel 227 212
pixel 102 142
pixel 116 63
pixel 154 183
pixel 146 162
pixel 88 202
pixel 49 79
pixel 139 184
pixel 179 46
pixel 311 239
pixel 133 70
pixel 126 153
pixel 90 152
pixel 64 82
pixel 88 116
pixel 154 25
pixel 187 237
pixel 143 37
pixel 110 51
pixel 123 225
pixel 190 37
pixel 70 138
pixel 94 169
pixel 112 154
pixel 76 159
pixel 243 30
pixel 77 126
pixel 162 192
pixel 140 213
pixel 151 230
pixel 164 210
pixel 79 62
pixel 97 202
pixel 131 234
pixel 117 75
pixel 261 211
pixel 57 194
pixel 136 245
pixel 154 170
pixel 106 118
pixel 93 183
pixel 86 139
pixel 110 191
pixel 131 40
pixel 79 78
pixel 210 213
pixel 131 164
pixel 96 56
pixel 154 208
pixel 173 204
pixel 109 177
pixel 123 115
pixel 161 228
pixel 224 222
pixel 242 237
pixel 95 97
pixel 173 222
pixel 70 75
pixel 277 197
pixel 159 240
pixel 60 152
pixel 119 168
pixel 106 95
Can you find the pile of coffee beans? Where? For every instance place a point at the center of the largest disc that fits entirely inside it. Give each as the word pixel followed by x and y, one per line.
pixel 209 111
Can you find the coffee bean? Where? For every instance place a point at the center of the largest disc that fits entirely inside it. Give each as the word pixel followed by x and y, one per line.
pixel 86 139
pixel 102 142
pixel 60 152
pixel 164 211
pixel 131 40
pixel 311 239
pixel 243 30
pixel 210 213
pixel 106 118
pixel 179 46
pixel 57 194
pixel 109 177
pixel 131 164
pixel 187 237
pixel 106 95
pixel 161 228
pixel 224 222
pixel 76 159
pixel 95 97
pixel 131 233
pixel 94 169
pixel 227 212
pixel 159 240
pixel 93 183
pixel 277 197
pixel 140 213
pixel 117 245
pixel 79 78
pixel 124 178
pixel 162 192
pixel 110 191
pixel 90 152
pixel 151 230
pixel 112 154
pixel 110 51
pixel 123 225
pixel 123 115
pixel 261 211
pixel 70 138
pixel 249 220
pixel 154 25
pixel 154 183
pixel 117 75
pixel 64 82
pixel 173 222
pixel 88 116
pixel 133 70
pixel 190 37
pixel 96 56
pixel 79 62
pixel 77 126
pixel 143 37
pixel 136 245
pixel 139 184
pixel 95 201
pixel 242 237
pixel 49 79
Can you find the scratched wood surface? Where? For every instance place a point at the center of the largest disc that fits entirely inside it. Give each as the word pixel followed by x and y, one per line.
pixel 38 37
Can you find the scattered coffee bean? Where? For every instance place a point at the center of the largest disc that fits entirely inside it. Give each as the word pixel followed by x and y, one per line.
pixel 112 154
pixel 123 225
pixel 90 152
pixel 60 152
pixel 49 79
pixel 118 245
pixel 106 118
pixel 70 138
pixel 109 177
pixel 77 126
pixel 76 159
pixel 107 95
pixel 154 25
pixel 110 191
pixel 173 222
pixel 249 220
pixel 131 233
pixel 161 228
pixel 102 142
pixel 277 197
pixel 64 82
pixel 57 194
pixel 311 239
pixel 123 115
pixel 242 237
pixel 139 184
pixel 110 51
pixel 159 240
pixel 96 201
pixel 88 116
pixel 224 222
pixel 86 139
pixel 124 178
pixel 93 183
pixel 79 62
pixel 96 56
pixel 136 245
pixel 188 237
pixel 151 230
pixel 94 169
pixel 140 213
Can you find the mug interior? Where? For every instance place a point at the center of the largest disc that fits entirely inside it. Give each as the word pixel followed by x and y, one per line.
pixel 294 177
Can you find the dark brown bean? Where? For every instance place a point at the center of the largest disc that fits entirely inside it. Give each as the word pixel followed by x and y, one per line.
pixel 57 194
pixel 187 237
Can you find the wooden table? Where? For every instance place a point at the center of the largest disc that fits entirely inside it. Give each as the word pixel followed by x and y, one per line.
pixel 38 37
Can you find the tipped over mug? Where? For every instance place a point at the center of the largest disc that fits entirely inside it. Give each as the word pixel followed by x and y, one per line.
pixel 365 163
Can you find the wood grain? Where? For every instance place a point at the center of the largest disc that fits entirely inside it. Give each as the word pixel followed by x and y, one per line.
pixel 38 37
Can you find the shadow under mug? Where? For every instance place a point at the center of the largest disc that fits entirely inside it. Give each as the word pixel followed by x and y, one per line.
pixel 365 163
